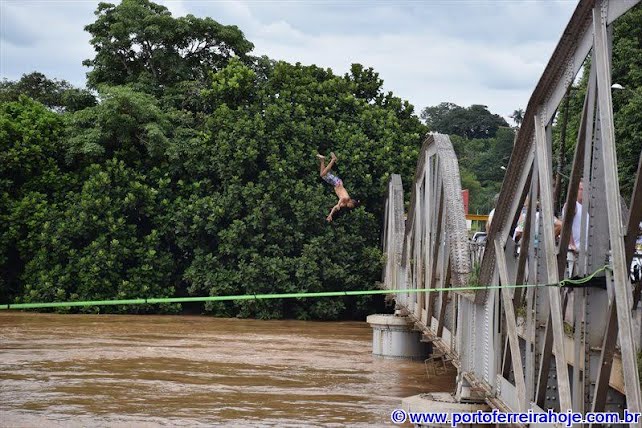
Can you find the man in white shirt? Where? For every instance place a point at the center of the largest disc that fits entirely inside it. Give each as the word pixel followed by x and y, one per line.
pixel 575 242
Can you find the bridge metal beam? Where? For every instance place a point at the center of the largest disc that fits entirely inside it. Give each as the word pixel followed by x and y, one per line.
pixel 499 338
pixel 616 232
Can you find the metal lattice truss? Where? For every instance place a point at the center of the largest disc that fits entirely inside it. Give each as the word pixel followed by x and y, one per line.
pixel 536 347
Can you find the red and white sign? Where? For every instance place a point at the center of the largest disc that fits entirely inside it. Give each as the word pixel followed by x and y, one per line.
pixel 464 194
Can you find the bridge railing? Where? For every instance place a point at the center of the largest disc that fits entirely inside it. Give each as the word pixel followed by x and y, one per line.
pixel 520 341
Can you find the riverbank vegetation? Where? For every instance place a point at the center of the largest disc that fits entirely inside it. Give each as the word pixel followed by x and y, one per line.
pixel 188 168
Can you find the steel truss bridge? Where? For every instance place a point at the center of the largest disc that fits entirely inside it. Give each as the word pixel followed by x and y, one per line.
pixel 539 347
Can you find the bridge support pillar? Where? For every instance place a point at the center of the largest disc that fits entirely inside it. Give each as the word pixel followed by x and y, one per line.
pixel 395 336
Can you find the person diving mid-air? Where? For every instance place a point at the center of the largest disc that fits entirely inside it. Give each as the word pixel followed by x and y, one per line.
pixel 345 201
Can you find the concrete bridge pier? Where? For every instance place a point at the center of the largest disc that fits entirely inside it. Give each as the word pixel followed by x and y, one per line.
pixel 394 335
pixel 444 403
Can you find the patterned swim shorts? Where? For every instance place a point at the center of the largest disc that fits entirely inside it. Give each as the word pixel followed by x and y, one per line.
pixel 332 179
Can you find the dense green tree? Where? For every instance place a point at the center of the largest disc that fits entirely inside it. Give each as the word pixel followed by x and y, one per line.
pixel 139 42
pixel 480 162
pixel 627 103
pixel 59 95
pixel 469 122
pixel 476 193
pixel 101 243
pixel 127 125
pixel 251 217
pixel 483 143
pixel 173 185
pixel 497 154
pixel 31 161
pixel 88 233
pixel 367 83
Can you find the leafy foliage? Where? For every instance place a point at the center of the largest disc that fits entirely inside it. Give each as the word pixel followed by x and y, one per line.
pixel 196 175
pixel 470 122
pixel 257 208
pixel 59 95
pixel 483 143
pixel 139 42
pixel 101 244
pixel 627 103
pixel 127 125
pixel 30 169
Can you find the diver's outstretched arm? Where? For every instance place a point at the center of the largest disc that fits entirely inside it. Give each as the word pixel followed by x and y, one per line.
pixel 335 208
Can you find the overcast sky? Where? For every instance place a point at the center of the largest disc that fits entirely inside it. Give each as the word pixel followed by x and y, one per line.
pixel 465 52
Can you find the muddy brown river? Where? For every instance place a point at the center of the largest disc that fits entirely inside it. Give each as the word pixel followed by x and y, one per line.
pixel 146 371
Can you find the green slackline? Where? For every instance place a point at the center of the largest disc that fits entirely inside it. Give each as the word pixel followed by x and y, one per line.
pixel 583 280
pixel 143 301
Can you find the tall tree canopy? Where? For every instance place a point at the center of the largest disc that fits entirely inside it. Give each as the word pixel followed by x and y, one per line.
pixel 140 42
pixel 468 122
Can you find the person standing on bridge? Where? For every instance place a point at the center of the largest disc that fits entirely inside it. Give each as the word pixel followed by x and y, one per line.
pixel 345 201
pixel 576 236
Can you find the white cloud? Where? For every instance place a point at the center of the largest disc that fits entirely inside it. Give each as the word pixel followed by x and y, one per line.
pixel 176 7
pixel 56 42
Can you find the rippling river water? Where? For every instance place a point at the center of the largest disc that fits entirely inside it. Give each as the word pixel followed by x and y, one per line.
pixel 120 370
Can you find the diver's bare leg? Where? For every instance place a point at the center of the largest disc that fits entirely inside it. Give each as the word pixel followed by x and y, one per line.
pixel 325 169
